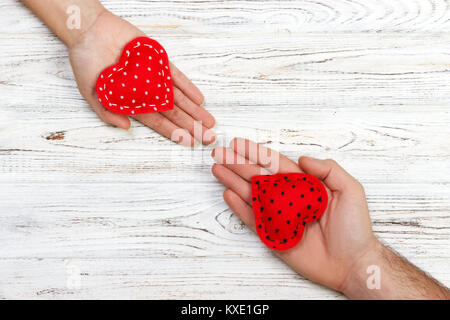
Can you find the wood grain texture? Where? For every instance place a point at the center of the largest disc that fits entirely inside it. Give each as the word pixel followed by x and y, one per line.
pixel 90 211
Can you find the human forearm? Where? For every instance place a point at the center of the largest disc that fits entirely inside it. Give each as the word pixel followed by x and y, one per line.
pixel 398 279
pixel 54 14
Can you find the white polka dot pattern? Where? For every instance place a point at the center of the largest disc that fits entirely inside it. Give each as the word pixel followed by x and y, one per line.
pixel 138 81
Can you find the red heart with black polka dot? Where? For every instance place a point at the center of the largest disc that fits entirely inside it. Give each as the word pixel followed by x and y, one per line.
pixel 284 204
pixel 140 82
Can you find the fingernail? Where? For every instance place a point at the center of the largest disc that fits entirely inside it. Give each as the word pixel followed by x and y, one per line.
pixel 209 141
pixel 208 137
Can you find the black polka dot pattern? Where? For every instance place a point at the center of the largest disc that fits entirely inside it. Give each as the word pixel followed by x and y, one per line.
pixel 283 208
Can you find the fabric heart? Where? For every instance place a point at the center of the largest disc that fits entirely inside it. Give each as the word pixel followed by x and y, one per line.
pixel 283 204
pixel 140 82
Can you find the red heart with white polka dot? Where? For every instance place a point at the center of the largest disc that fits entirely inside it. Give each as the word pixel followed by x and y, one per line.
pixel 140 82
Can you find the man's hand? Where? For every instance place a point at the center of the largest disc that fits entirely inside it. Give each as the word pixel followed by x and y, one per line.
pixel 331 245
pixel 335 251
pixel 97 45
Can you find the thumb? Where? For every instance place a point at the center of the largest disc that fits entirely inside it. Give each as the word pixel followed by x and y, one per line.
pixel 330 172
pixel 115 119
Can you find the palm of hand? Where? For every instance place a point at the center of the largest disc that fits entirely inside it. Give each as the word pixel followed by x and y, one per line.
pixel 101 46
pixel 329 248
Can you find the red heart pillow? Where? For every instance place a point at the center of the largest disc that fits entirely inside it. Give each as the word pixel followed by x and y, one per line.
pixel 283 204
pixel 140 82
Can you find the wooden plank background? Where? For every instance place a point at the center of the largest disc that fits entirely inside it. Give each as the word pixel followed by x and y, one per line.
pixel 90 211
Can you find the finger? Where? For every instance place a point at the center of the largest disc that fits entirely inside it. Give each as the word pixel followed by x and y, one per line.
pixel 165 127
pixel 115 119
pixel 234 182
pixel 265 157
pixel 184 84
pixel 237 163
pixel 194 110
pixel 334 176
pixel 195 128
pixel 240 208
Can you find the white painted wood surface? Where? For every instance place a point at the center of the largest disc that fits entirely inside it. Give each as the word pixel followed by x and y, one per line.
pixel 90 211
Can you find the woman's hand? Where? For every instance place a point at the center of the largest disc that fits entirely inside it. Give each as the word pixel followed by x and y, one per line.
pixel 100 46
pixel 331 248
